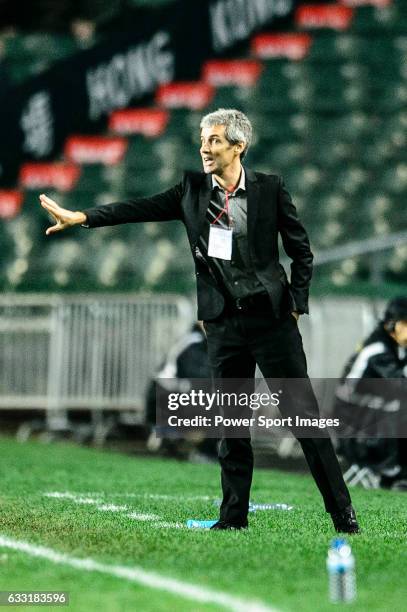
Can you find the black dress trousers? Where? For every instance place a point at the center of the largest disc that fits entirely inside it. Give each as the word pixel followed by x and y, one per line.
pixel 236 342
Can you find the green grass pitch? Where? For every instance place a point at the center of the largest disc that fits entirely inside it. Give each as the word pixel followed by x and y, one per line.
pixel 279 562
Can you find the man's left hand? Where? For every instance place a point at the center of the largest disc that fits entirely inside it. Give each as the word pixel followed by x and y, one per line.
pixel 295 314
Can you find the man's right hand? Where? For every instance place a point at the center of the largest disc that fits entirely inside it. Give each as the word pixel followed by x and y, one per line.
pixel 64 218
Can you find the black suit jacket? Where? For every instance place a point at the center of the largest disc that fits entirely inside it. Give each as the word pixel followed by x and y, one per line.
pixel 270 211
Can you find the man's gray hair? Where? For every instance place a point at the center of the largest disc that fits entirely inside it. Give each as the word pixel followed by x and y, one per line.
pixel 237 126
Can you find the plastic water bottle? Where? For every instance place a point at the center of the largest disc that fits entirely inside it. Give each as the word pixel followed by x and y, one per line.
pixel 340 563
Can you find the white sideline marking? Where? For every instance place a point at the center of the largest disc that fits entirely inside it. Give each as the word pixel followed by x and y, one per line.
pixel 90 495
pixel 78 498
pixel 74 497
pixel 163 496
pixel 140 576
pixel 103 507
pixel 112 508
pixel 143 517
pixel 137 516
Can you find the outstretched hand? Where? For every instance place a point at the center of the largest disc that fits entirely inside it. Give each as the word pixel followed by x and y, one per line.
pixel 63 218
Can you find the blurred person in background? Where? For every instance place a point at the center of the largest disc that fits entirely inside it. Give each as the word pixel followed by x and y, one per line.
pixel 83 30
pixel 233 217
pixel 361 400
pixel 187 360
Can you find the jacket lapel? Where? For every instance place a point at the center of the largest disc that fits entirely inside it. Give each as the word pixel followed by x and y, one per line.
pixel 204 197
pixel 252 189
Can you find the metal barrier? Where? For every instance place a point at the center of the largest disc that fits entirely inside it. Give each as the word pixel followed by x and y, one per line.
pixel 98 352
pixel 84 352
pixel 333 331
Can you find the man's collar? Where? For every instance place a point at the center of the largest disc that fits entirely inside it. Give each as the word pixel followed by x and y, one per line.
pixel 241 185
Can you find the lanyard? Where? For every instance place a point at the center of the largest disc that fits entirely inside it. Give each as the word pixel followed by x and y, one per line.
pixel 226 208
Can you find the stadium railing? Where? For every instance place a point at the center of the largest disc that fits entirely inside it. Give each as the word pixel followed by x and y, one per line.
pixel 59 353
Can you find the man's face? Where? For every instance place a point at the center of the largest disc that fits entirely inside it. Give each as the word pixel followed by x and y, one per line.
pixel 216 152
pixel 400 333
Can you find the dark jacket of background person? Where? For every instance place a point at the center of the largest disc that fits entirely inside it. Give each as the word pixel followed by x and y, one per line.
pixel 188 359
pixel 365 401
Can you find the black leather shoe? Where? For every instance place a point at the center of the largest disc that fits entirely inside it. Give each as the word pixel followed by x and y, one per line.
pixel 345 521
pixel 227 526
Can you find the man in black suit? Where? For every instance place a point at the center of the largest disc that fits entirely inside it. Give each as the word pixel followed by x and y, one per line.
pixel 233 217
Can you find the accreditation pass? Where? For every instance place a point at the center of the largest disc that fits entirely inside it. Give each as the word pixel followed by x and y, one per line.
pixel 220 242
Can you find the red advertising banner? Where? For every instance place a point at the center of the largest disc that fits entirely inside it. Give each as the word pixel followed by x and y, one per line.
pixel 335 16
pixel 292 46
pixel 243 73
pixel 59 175
pixel 169 44
pixel 195 95
pixel 150 122
pixel 108 150
pixel 10 203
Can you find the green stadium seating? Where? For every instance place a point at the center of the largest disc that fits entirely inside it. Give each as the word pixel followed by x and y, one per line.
pixel 334 125
pixel 30 54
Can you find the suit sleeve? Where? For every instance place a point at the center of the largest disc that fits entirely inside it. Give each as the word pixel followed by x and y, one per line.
pixel 296 245
pixel 165 206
